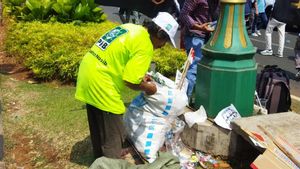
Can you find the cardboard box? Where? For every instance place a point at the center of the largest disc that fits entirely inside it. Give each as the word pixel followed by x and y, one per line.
pixel 268 160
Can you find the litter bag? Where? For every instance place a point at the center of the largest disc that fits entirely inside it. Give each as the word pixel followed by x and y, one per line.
pixel 149 117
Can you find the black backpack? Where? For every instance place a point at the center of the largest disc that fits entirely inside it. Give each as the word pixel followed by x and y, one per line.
pixel 273 85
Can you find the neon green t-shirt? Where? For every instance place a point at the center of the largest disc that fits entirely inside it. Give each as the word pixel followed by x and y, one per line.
pixel 124 53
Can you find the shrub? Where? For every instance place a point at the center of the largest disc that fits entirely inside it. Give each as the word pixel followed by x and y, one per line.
pixel 55 10
pixel 53 50
pixel 168 60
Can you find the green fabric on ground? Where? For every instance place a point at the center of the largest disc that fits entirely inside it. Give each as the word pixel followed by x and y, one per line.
pixel 164 161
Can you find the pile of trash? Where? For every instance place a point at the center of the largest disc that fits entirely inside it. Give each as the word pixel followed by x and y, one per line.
pixel 152 123
pixel 189 158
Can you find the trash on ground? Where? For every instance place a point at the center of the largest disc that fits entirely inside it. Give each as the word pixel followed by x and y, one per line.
pixel 197 117
pixel 227 115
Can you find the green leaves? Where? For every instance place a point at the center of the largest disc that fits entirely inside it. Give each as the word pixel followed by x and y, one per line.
pixel 55 10
pixel 168 59
pixel 64 9
pixel 88 10
pixel 40 9
pixel 53 50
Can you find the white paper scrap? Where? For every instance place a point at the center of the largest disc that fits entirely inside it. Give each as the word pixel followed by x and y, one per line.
pixel 197 117
pixel 227 115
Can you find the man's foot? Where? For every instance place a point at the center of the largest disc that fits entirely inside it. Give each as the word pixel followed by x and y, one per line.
pixel 258 33
pixel 279 55
pixel 254 34
pixel 266 52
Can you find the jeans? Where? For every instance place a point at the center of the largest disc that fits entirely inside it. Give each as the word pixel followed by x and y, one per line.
pixel 196 43
pixel 257 25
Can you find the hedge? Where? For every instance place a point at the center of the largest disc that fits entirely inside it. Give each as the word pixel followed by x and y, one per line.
pixel 54 50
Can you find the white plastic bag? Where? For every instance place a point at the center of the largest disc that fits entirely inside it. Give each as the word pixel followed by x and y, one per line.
pixel 197 117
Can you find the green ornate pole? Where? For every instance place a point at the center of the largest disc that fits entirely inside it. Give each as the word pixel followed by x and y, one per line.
pixel 227 72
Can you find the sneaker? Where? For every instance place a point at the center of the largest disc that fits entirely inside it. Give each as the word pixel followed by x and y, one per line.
pixel 279 55
pixel 258 33
pixel 254 34
pixel 266 52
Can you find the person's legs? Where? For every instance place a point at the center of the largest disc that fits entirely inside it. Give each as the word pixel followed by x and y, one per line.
pixel 114 135
pixel 268 34
pixel 196 43
pixel 264 20
pixel 127 15
pixel 136 17
pixel 122 15
pixel 281 34
pixel 95 120
pixel 247 22
pixel 254 26
pixel 107 132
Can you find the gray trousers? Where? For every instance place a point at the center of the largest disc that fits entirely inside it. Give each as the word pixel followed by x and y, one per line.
pixel 107 132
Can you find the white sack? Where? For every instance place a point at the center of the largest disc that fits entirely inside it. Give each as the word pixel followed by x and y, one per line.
pixel 146 131
pixel 148 118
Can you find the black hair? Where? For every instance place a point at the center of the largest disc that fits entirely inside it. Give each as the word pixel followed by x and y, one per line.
pixel 154 29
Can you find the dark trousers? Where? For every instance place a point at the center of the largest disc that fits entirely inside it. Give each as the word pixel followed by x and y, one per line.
pixel 107 132
pixel 259 22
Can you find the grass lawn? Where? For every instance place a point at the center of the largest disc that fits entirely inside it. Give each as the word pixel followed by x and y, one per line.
pixel 45 127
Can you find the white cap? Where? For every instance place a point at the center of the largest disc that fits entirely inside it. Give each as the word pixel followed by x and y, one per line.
pixel 167 23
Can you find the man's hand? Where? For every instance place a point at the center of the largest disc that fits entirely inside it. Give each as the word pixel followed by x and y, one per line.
pixel 147 78
pixel 206 27
pixel 147 85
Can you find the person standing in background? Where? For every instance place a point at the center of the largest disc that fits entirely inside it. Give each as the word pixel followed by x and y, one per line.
pixel 260 17
pixel 125 14
pixel 277 19
pixel 249 14
pixel 195 18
